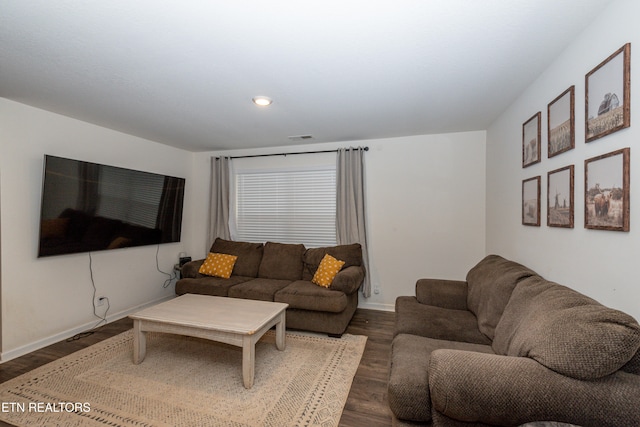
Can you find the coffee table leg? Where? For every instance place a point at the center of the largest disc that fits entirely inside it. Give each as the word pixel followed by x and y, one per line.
pixel 248 360
pixel 139 342
pixel 280 332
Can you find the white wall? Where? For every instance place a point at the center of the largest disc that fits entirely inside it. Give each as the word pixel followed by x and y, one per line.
pixel 598 263
pixel 434 206
pixel 425 202
pixel 48 299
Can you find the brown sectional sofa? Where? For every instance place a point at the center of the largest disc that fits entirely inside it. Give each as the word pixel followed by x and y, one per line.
pixel 507 347
pixel 282 273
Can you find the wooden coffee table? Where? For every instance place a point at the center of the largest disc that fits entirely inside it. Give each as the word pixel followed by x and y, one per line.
pixel 238 322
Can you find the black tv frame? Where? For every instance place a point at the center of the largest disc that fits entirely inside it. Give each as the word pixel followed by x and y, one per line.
pixel 87 207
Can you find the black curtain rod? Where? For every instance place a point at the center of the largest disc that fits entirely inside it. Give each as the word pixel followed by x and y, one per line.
pixel 286 154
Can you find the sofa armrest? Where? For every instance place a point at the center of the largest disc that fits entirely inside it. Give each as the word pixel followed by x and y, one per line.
pixel 504 390
pixel 442 293
pixel 190 269
pixel 348 280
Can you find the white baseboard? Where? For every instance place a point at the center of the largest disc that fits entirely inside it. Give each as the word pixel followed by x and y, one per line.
pixel 377 306
pixel 37 345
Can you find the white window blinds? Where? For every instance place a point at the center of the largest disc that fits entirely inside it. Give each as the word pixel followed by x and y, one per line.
pixel 286 206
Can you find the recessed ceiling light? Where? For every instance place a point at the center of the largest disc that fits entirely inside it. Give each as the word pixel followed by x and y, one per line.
pixel 262 101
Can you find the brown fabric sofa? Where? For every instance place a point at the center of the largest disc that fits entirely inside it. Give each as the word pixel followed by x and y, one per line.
pixel 282 273
pixel 507 347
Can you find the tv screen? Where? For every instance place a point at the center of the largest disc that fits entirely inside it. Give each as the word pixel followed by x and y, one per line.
pixel 90 207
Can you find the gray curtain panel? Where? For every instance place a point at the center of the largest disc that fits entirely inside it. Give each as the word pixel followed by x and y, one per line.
pixel 350 205
pixel 219 208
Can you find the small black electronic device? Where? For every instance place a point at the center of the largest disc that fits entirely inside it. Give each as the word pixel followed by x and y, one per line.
pixel 184 260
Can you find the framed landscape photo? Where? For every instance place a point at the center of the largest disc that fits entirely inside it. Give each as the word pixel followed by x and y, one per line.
pixel 608 95
pixel 561 129
pixel 531 201
pixel 606 198
pixel 531 140
pixel 560 183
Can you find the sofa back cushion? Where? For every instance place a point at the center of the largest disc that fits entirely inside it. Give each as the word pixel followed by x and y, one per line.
pixel 490 284
pixel 249 255
pixel 516 312
pixel 282 261
pixel 350 254
pixel 566 331
pixel 633 365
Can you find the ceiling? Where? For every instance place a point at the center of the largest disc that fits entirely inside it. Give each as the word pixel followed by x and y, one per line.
pixel 183 72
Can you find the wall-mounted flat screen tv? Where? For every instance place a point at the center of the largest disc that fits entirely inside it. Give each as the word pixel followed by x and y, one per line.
pixel 90 207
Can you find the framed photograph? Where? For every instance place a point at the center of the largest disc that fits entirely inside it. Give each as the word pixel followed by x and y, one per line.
pixel 560 197
pixel 606 198
pixel 608 95
pixel 531 140
pixel 561 128
pixel 531 201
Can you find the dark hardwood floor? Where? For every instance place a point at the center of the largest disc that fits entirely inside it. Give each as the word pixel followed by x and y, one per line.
pixel 367 402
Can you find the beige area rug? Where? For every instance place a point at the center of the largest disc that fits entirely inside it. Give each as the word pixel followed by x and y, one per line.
pixel 186 381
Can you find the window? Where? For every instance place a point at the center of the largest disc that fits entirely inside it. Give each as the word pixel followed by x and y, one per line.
pixel 286 206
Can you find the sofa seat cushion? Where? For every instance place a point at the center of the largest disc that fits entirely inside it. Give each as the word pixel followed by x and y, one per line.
pixel 431 321
pixel 249 255
pixel 350 254
pixel 303 294
pixel 408 387
pixel 490 284
pixel 566 331
pixel 281 261
pixel 258 289
pixel 209 285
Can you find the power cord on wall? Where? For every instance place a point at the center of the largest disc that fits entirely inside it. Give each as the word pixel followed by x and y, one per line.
pixel 103 319
pixel 170 276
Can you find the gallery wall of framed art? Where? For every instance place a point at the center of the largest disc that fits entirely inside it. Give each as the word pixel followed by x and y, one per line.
pixel 607 110
pixel 595 255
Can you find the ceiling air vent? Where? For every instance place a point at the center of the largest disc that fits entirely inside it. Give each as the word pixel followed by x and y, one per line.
pixel 301 137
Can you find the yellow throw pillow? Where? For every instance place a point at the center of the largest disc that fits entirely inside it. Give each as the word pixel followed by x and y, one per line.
pixel 218 265
pixel 327 270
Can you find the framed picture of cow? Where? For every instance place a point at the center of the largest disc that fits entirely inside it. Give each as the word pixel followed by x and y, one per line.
pixel 608 95
pixel 531 140
pixel 606 198
pixel 560 197
pixel 561 128
pixel 531 201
